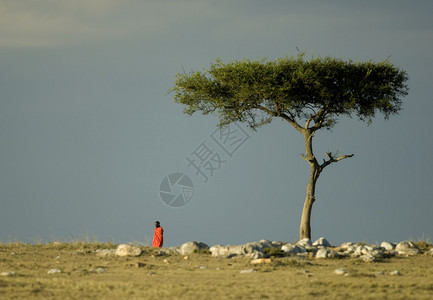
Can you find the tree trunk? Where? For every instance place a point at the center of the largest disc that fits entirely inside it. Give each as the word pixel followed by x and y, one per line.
pixel 305 227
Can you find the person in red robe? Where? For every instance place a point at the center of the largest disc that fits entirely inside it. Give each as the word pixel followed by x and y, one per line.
pixel 158 239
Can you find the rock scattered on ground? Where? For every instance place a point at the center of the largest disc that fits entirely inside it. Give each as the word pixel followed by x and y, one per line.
pixel 248 271
pixel 319 249
pixel 252 250
pixel 12 273
pixel 261 261
pixel 191 247
pixel 105 252
pixel 128 250
pixel 54 271
pixel 407 248
pixel 340 272
pixel 263 249
pixel 395 273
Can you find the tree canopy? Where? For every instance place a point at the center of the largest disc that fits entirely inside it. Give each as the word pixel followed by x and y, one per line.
pixel 317 90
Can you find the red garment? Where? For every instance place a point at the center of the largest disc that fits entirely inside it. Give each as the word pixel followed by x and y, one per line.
pixel 158 237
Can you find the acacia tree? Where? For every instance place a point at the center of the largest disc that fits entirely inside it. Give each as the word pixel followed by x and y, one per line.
pixel 309 94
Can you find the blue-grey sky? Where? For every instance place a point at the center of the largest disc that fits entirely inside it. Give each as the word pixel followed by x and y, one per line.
pixel 88 131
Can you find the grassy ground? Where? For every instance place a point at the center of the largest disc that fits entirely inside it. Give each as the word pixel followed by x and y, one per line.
pixel 201 276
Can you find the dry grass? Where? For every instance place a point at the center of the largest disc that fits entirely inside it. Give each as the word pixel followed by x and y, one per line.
pixel 201 276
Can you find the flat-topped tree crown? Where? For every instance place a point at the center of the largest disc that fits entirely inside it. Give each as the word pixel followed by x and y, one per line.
pixel 309 94
pixel 319 90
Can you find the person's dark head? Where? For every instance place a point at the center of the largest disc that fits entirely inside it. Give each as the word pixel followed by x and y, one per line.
pixel 157 224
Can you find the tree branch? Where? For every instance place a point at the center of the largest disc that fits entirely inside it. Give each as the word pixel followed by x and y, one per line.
pixel 289 119
pixel 318 118
pixel 332 159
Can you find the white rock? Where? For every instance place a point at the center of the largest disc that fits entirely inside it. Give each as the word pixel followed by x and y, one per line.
pixel 100 270
pixel 340 272
pixel 291 249
pixel 304 243
pixel 322 242
pixel 377 253
pixel 430 252
pixel 249 250
pixel 395 273
pixel 105 252
pixel 387 245
pixel 54 271
pixel 407 248
pixel 358 251
pixel 261 261
pixel 190 247
pixel 332 253
pixel 326 253
pixel 8 273
pixel 368 258
pixel 127 250
pixel 255 255
pixel 346 245
pixel 322 253
pixel 248 271
pixel 219 251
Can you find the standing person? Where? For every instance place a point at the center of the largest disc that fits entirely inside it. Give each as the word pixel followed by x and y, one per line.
pixel 158 236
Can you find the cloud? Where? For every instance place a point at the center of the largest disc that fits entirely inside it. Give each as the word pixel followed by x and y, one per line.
pixel 48 23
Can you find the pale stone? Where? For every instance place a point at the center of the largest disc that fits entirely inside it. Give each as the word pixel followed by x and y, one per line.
pixel 105 252
pixel 333 254
pixel 377 253
pixel 304 243
pixel 407 248
pixel 249 250
pixel 128 250
pixel 395 273
pixel 8 273
pixel 326 253
pixel 261 261
pixel 290 249
pixel 101 270
pixel 368 258
pixel 387 245
pixel 340 272
pixel 322 242
pixel 346 245
pixel 248 271
pixel 54 271
pixel 358 251
pixel 255 255
pixel 190 247
pixel 322 253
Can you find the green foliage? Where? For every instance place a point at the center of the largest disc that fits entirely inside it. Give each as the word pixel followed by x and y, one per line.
pixel 316 91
